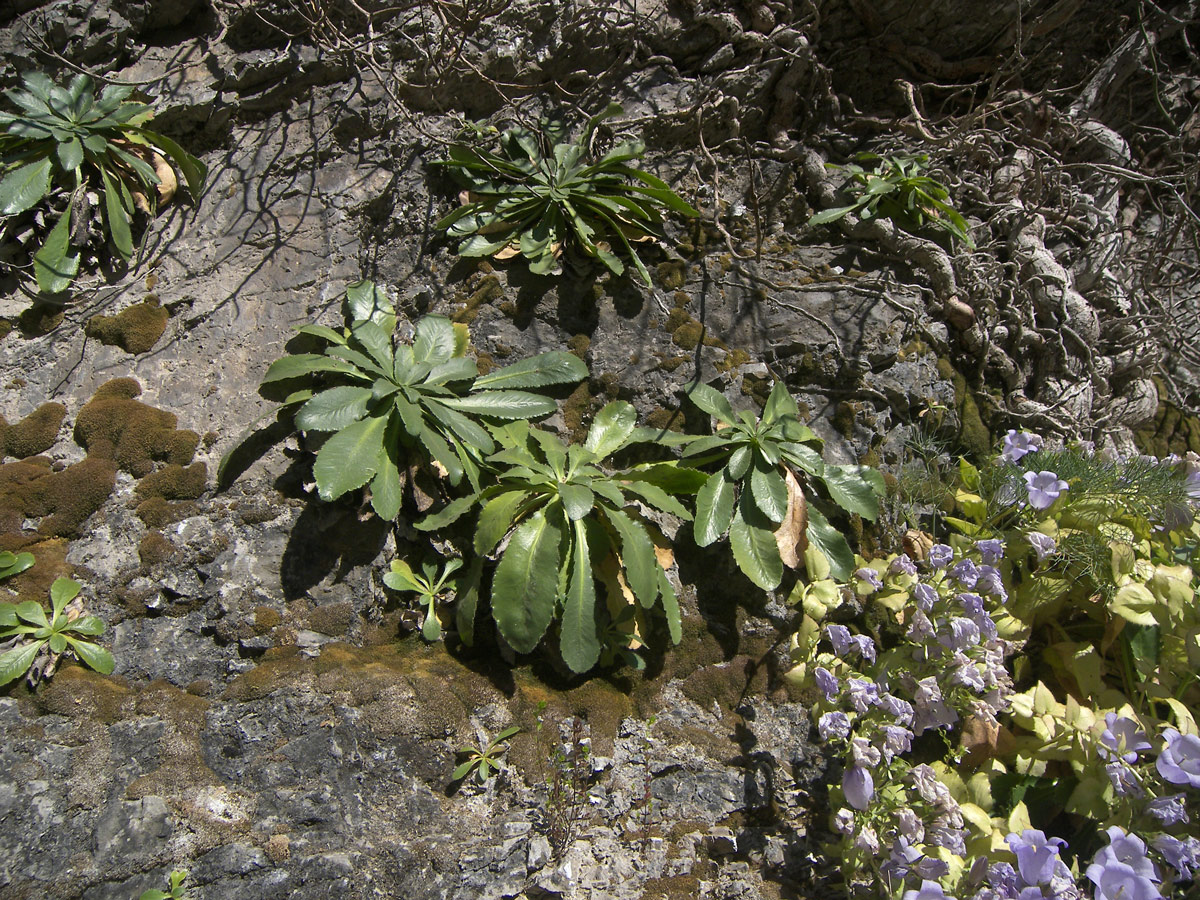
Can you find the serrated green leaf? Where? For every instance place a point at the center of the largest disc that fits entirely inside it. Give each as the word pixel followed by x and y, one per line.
pixel 116 217
pixel 670 605
pixel 578 643
pixel 467 601
pixel 25 186
pixel 852 491
pixel 637 557
pixel 780 404
pixel 496 518
pixel 16 662
pixel 503 404
pixel 739 462
pixel 448 514
pixel 435 340
pixel 658 498
pixel 610 428
pixel 714 509
pixel 770 492
pixel 92 626
pixel 57 262
pixel 367 302
pixel 712 402
pixel 334 409
pixel 577 500
pixel 544 369
pixel 754 547
pixel 525 586
pixel 387 490
pixel 300 364
pixel 349 458
pixel 831 543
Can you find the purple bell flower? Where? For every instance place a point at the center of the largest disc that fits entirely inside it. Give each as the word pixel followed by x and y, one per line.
pixel 1044 488
pixel 1179 761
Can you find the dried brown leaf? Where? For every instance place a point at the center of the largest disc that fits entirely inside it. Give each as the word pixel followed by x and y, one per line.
pixel 792 534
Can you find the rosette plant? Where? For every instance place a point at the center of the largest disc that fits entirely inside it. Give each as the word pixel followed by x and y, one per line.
pixel 561 519
pixel 390 400
pixel 757 495
pixel 428 584
pixel 33 632
pixel 533 197
pixel 71 138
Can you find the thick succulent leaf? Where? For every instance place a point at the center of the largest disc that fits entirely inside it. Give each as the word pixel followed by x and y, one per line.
pixel 95 656
pixel 435 341
pixel 714 509
pixel 56 264
pixel 770 492
pixel 334 409
pixel 754 547
pixel 496 518
pixel 24 186
pixel 577 500
pixel 556 367
pixel 831 543
pixel 611 427
pixel 350 457
pixel 16 662
pixel 503 404
pixel 637 556
pixel 712 402
pixel 578 643
pixel 525 586
pixel 852 491
pixel 301 364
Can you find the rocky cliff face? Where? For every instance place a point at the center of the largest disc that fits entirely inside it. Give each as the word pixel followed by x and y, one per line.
pixel 273 725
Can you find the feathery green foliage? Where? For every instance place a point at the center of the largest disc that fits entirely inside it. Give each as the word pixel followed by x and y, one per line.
pixel 535 195
pixel 70 137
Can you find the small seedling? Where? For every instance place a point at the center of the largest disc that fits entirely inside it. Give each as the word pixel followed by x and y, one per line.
pixel 14 563
pixel 429 585
pixel 484 762
pixel 27 624
pixel 177 890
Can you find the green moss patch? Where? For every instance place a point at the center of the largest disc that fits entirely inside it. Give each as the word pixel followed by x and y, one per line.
pixel 34 434
pixel 974 436
pixel 1170 431
pixel 62 500
pixel 158 512
pixel 135 330
pixel 174 482
pixel 115 426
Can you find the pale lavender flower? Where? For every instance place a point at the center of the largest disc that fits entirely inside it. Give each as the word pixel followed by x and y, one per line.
pixel 925 596
pixel 963 671
pixel 1043 545
pixel 966 573
pixel 1179 761
pixel 863 694
pixel 929 890
pixel 948 834
pixel 858 786
pixel 1124 780
pixel 1118 881
pixel 991 550
pixel 1036 854
pixel 870 576
pixel 826 681
pixel 900 859
pixel 866 646
pixel 910 826
pixel 931 712
pixel 990 581
pixel 839 636
pixel 1122 737
pixel 1087 448
pixel 959 634
pixel 895 706
pixel 1043 488
pixel 931 788
pixel 940 556
pixel 903 565
pixel 896 740
pixel 1003 877
pixel 1169 810
pixel 864 753
pixel 1182 856
pixel 867 840
pixel 930 867
pixel 1128 849
pixel 833 725
pixel 920 629
pixel 843 821
pixel 1018 444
